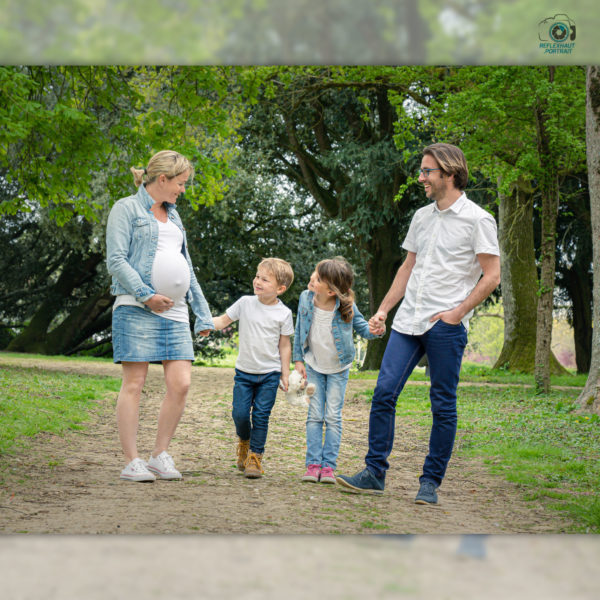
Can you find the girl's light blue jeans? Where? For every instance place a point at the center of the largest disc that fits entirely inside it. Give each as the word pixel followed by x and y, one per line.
pixel 325 409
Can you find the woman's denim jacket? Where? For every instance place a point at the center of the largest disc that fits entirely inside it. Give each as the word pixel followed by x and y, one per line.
pixel 131 241
pixel 342 332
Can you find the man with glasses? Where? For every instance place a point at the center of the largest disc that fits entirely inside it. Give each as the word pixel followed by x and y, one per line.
pixel 452 265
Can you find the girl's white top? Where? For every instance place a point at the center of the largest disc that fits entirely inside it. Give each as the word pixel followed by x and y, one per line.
pixel 322 355
pixel 170 274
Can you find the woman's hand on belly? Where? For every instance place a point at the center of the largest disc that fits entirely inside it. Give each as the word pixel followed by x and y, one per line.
pixel 159 303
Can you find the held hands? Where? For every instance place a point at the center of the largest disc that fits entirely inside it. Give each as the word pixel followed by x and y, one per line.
pixel 159 303
pixel 377 323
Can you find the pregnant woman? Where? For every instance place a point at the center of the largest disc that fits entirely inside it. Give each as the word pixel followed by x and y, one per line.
pixel 153 280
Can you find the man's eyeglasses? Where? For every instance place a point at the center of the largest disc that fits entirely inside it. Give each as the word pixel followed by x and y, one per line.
pixel 425 172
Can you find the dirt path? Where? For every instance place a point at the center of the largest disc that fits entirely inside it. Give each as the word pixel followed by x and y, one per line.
pixel 83 492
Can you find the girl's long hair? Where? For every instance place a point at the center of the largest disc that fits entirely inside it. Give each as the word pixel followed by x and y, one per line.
pixel 338 275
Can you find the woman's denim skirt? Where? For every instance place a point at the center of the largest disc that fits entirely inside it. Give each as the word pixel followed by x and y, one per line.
pixel 139 335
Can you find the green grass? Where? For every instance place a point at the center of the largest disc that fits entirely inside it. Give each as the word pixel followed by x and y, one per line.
pixel 470 372
pixel 478 373
pixel 59 357
pixel 540 443
pixel 34 401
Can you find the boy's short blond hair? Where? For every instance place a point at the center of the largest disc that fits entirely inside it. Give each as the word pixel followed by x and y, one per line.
pixel 280 269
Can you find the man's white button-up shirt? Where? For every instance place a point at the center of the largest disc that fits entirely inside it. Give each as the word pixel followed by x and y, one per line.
pixel 446 270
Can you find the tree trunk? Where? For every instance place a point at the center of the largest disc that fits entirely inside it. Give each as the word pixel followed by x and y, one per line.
pixel 546 288
pixel 79 324
pixel 34 337
pixel 549 188
pixel 518 274
pixel 589 399
pixel 385 259
pixel 580 294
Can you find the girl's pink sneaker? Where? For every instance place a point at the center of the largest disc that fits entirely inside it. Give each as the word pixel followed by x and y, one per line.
pixel 312 473
pixel 327 475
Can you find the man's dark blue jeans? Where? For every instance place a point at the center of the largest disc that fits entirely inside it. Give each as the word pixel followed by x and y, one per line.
pixel 253 399
pixel 444 345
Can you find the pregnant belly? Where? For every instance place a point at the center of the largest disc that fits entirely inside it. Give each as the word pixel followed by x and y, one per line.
pixel 171 275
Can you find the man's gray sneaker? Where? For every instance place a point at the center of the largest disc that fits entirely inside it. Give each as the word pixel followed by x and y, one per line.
pixel 363 482
pixel 427 493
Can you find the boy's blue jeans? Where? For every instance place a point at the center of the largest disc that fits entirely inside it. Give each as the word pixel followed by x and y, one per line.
pixel 253 399
pixel 325 408
pixel 444 345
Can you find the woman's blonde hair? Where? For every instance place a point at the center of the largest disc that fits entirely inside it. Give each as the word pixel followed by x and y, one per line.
pixel 165 162
pixel 338 275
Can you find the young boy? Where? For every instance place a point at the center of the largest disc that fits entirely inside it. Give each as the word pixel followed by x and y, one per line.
pixel 264 358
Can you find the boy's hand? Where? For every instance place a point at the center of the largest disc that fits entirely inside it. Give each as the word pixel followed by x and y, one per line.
pixel 204 332
pixel 299 366
pixel 285 380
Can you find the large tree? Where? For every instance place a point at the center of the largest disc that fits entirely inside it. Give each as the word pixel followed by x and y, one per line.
pixel 522 127
pixel 72 133
pixel 331 132
pixel 589 398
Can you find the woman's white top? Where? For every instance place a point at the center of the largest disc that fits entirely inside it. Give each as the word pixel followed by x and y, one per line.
pixel 170 274
pixel 322 355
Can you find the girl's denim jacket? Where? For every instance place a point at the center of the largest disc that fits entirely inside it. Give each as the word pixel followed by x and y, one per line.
pixel 131 241
pixel 342 332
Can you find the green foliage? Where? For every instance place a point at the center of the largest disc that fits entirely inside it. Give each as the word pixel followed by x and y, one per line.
pixel 34 401
pixel 201 108
pixel 330 131
pixel 261 215
pixel 490 112
pixel 62 125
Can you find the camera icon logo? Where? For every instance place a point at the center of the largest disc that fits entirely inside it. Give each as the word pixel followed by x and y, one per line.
pixel 559 28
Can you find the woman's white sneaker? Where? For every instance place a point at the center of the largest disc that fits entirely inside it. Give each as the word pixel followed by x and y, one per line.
pixel 136 470
pixel 163 466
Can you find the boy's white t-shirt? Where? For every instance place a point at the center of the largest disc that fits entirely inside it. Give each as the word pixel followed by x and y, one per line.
pixel 260 327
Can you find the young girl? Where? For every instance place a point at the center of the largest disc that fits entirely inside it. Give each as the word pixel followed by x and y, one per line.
pixel 326 319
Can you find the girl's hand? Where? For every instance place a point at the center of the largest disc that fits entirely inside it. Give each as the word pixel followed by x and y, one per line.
pixel 159 303
pixel 204 332
pixel 299 366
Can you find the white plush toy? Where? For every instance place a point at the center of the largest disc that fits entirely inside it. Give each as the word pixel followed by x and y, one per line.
pixel 299 392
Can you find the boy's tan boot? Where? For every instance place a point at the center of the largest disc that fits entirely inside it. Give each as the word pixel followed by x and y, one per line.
pixel 242 453
pixel 253 468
